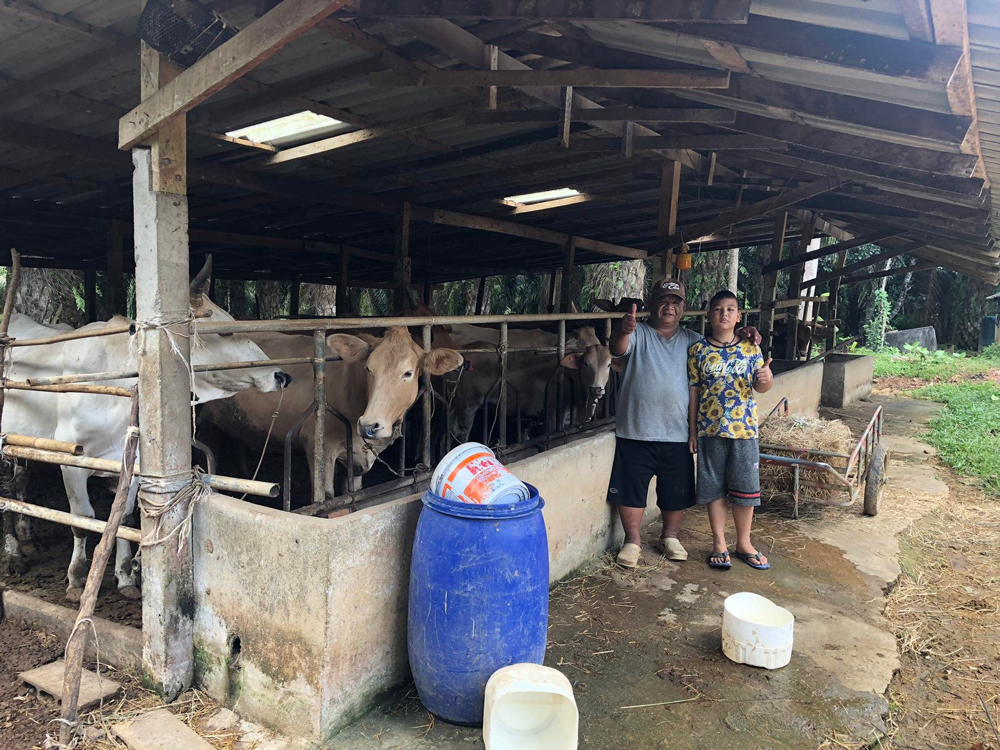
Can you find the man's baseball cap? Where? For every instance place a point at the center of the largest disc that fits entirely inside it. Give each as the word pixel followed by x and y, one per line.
pixel 665 288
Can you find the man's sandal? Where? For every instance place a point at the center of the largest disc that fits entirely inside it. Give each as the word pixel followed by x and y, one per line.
pixel 673 549
pixel 754 560
pixel 629 555
pixel 720 560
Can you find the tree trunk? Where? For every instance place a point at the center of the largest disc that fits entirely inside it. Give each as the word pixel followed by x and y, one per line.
pixel 269 299
pixel 50 295
pixel 733 281
pixel 901 299
pixel 318 299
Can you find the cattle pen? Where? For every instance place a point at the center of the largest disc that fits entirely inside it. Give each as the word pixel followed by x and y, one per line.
pixel 373 146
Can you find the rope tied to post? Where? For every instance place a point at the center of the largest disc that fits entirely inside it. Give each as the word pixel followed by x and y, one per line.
pixel 137 345
pixel 187 486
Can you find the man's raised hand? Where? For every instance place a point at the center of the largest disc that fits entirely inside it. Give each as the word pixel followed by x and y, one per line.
pixel 628 321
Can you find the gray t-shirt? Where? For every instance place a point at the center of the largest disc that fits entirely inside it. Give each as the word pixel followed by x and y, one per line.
pixel 653 402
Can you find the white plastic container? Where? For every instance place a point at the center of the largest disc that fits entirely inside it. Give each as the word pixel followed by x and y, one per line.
pixel 530 707
pixel 756 631
pixel 471 473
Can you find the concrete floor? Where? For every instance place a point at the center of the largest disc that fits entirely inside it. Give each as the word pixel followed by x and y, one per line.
pixel 653 636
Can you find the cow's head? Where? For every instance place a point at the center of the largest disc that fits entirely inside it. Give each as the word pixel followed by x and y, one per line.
pixel 214 348
pixel 594 365
pixel 393 365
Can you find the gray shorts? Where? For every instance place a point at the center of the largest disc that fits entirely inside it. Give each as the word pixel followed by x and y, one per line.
pixel 728 468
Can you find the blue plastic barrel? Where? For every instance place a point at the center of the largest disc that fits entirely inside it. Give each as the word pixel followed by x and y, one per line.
pixel 479 599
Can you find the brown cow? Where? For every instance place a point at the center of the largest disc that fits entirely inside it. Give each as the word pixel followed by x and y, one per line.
pixel 373 386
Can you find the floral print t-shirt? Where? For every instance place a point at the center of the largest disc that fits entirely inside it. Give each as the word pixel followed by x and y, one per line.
pixel 725 375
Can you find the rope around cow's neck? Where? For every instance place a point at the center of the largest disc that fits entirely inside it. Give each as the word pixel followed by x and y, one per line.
pixel 267 438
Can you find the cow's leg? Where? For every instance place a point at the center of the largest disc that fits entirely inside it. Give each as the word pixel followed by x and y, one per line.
pixel 15 554
pixel 22 523
pixel 75 481
pixel 123 552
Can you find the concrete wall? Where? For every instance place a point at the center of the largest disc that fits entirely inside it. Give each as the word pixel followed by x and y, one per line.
pixel 801 384
pixel 926 337
pixel 319 605
pixel 847 378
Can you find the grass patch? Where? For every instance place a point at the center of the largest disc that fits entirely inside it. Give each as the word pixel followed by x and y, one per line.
pixel 916 362
pixel 967 434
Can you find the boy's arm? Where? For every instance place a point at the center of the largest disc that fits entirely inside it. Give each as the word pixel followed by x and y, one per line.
pixel 695 399
pixel 763 380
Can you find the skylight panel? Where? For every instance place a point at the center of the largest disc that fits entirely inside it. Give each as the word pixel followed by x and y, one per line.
pixel 297 125
pixel 545 195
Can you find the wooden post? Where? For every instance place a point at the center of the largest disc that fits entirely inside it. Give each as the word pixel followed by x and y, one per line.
pixel 161 270
pixel 427 280
pixel 710 171
pixel 770 285
pixel 402 277
pixel 492 53
pixel 831 340
pixel 480 294
pixel 343 301
pixel 666 222
pixel 9 540
pixel 565 116
pixel 552 292
pixel 90 294
pixel 319 423
pixel 293 304
pixel 795 291
pixel 628 139
pixel 76 645
pixel 116 303
pixel 569 255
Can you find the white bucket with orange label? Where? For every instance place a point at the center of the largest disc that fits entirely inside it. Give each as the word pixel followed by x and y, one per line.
pixel 471 473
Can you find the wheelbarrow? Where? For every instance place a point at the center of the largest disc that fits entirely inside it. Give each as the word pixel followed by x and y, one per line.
pixel 867 466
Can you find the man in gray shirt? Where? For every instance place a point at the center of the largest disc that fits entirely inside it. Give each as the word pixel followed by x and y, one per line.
pixel 652 420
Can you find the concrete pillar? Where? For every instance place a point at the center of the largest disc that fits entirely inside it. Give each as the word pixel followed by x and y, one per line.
pixel 160 219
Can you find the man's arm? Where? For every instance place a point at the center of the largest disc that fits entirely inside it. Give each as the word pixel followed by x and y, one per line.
pixel 619 337
pixel 695 399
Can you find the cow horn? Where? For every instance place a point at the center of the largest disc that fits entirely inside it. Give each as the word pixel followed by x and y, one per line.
pixel 200 282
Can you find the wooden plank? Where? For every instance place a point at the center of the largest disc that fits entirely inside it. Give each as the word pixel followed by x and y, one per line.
pixel 565 116
pixel 722 142
pixel 895 252
pixel 666 217
pixel 403 270
pixel 169 147
pixel 728 57
pixel 588 77
pixel 628 138
pixel 492 58
pixel 892 272
pixel 259 41
pixel 682 11
pixel 770 290
pixel 569 259
pixel 739 215
pixel 608 114
pixel 917 15
pixel 872 238
pixel 795 291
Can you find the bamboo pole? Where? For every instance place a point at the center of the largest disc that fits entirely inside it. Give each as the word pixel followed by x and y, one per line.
pixel 8 309
pixel 100 390
pixel 91 333
pixel 78 636
pixel 27 441
pixel 66 519
pixel 215 481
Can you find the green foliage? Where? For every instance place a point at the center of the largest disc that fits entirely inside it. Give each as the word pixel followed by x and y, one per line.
pixel 967 434
pixel 915 361
pixel 991 352
pixel 878 319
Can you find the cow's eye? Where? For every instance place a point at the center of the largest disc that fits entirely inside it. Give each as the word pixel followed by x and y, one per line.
pixel 368 370
pixel 408 374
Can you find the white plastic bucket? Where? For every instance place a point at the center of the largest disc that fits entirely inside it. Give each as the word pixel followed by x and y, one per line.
pixel 529 707
pixel 471 473
pixel 756 631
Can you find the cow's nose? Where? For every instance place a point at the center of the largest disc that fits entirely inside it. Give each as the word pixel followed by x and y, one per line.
pixel 369 429
pixel 596 393
pixel 283 378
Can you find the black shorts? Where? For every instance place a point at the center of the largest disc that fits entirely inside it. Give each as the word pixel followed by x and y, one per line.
pixel 638 461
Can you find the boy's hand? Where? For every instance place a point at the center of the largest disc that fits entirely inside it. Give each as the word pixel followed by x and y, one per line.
pixel 764 375
pixel 693 443
pixel 751 333
pixel 628 322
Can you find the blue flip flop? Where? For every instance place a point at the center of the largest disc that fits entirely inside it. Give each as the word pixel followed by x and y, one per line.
pixel 749 560
pixel 726 563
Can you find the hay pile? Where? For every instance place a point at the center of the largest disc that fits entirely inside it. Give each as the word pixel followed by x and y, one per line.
pixel 805 434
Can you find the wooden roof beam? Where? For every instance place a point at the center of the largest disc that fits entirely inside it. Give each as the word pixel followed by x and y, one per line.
pixel 868 239
pixel 256 43
pixel 583 77
pixel 695 142
pixel 891 272
pixel 706 11
pixel 743 213
pixel 889 254
pixel 608 114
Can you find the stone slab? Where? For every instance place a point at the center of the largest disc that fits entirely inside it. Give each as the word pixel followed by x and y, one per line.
pixel 48 680
pixel 159 730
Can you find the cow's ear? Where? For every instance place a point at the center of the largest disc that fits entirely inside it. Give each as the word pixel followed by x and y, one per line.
pixel 349 348
pixel 616 365
pixel 572 361
pixel 372 341
pixel 440 361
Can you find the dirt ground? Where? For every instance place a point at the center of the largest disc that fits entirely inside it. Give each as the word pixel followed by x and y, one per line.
pixel 871 670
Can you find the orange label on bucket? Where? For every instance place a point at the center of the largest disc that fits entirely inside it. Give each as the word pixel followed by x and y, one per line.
pixel 485 471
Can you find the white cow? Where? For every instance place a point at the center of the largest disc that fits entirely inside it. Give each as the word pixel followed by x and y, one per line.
pixel 98 422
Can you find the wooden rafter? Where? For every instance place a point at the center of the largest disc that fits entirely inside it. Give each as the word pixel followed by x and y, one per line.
pixel 263 38
pixel 608 114
pixel 705 11
pixel 586 77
